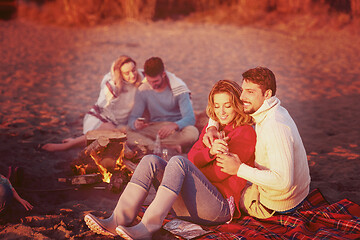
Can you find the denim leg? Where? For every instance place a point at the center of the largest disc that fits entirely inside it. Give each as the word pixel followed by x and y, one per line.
pixel 199 201
pixel 149 171
pixel 6 196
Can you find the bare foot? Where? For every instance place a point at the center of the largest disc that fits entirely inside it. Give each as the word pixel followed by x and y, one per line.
pixel 55 147
pixel 66 144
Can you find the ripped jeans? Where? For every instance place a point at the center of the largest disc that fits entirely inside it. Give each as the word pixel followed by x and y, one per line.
pixel 198 200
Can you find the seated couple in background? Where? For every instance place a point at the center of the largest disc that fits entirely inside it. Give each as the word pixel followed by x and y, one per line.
pixel 126 93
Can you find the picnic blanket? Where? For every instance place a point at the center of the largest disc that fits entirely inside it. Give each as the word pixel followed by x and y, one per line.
pixel 315 219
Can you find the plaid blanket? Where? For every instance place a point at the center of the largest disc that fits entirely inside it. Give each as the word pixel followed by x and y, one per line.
pixel 315 219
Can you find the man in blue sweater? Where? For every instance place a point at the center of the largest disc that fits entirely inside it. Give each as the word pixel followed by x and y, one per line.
pixel 170 116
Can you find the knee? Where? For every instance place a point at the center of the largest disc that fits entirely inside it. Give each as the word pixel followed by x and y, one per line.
pixel 191 134
pixel 178 160
pixel 152 160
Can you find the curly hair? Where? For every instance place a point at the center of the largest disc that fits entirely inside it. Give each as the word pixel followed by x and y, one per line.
pixel 234 90
pixel 262 76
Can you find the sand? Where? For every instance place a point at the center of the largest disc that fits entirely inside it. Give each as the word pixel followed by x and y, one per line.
pixel 50 77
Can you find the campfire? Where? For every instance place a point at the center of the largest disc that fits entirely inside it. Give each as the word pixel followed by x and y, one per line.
pixel 102 160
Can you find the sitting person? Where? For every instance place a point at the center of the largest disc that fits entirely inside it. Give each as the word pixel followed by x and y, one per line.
pixel 166 99
pixel 204 196
pixel 280 179
pixel 7 194
pixel 112 109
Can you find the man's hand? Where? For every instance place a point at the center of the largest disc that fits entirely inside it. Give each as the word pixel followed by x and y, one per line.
pixel 209 137
pixel 140 124
pixel 229 163
pixel 167 130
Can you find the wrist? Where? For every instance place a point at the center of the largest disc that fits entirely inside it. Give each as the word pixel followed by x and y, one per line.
pixel 211 155
pixel 211 128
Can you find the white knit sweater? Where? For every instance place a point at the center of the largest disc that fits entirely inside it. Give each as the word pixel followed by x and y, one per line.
pixel 281 169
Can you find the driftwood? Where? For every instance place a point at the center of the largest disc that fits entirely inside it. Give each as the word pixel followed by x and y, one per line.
pixel 96 146
pixel 113 134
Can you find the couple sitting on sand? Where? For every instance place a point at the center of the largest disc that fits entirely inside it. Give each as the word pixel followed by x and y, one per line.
pixel 231 170
pixel 126 96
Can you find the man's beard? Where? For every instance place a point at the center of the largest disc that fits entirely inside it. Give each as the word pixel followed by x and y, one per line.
pixel 158 86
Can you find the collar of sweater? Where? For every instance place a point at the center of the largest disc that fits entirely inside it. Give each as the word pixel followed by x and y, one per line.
pixel 262 112
pixel 176 85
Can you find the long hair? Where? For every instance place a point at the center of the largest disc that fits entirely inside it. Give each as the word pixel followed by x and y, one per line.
pixel 234 90
pixel 116 69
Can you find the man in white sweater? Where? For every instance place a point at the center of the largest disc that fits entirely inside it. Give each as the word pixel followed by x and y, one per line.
pixel 280 180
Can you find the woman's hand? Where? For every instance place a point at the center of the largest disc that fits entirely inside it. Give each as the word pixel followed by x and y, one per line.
pixel 219 146
pixel 209 137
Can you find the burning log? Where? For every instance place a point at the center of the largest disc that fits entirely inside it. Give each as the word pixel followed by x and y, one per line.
pixel 92 150
pixel 108 145
pixel 104 147
pixel 104 154
pixel 96 145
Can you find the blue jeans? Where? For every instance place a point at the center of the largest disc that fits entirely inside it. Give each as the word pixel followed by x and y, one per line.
pixel 6 196
pixel 198 200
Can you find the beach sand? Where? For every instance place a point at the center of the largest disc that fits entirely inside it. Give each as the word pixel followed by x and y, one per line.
pixel 50 77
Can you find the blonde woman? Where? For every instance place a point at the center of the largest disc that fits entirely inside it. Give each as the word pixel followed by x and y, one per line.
pixel 115 102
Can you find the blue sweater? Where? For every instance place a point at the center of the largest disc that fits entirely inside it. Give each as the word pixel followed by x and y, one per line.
pixel 162 107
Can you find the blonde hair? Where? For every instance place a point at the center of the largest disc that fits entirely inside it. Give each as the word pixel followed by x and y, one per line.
pixel 116 67
pixel 234 90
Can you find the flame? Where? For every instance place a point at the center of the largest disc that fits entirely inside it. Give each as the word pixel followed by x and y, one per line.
pixel 119 160
pixel 106 176
pixel 81 169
